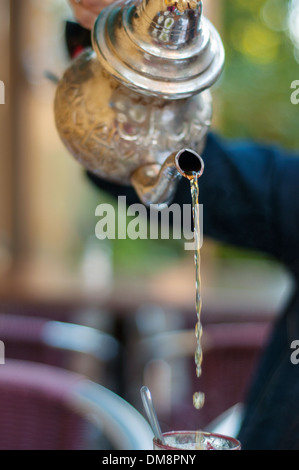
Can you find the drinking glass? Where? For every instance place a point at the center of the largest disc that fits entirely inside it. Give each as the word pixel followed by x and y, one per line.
pixel 196 440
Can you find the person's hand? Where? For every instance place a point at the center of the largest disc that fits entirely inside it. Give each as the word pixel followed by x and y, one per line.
pixel 87 11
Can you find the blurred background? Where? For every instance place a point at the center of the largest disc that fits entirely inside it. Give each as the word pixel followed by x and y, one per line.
pixel 140 293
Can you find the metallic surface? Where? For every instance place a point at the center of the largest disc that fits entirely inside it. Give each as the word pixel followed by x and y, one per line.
pixel 112 130
pixel 141 96
pixel 159 47
pixel 156 183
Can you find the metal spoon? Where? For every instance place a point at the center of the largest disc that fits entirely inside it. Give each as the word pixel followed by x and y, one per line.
pixel 151 413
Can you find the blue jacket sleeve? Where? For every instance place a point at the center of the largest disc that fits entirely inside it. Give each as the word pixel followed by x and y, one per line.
pixel 250 195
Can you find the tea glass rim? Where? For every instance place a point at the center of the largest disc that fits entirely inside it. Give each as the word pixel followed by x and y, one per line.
pixel 236 442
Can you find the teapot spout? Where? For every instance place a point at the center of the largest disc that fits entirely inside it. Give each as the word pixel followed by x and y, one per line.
pixel 156 184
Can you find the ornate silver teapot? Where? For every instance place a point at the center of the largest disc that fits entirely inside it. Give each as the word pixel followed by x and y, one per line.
pixel 130 108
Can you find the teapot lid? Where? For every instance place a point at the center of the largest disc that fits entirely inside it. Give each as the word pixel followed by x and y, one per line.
pixel 163 48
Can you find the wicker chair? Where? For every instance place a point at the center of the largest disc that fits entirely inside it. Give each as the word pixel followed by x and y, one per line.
pixel 48 408
pixel 71 346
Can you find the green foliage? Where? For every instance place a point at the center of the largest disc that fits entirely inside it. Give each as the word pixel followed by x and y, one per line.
pixel 254 93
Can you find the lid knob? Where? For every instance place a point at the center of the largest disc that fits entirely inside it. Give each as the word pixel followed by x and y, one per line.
pixel 160 48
